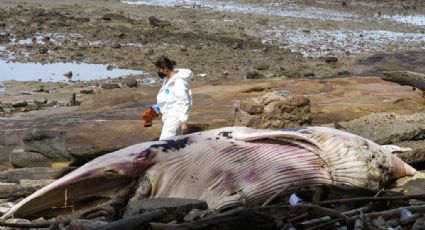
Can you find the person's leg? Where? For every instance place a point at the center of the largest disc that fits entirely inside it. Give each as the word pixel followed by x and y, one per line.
pixel 170 128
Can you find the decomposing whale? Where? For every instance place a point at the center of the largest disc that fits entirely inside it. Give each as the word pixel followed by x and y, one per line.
pixel 226 167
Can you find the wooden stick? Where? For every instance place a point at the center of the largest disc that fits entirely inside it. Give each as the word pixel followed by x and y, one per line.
pixel 359 222
pixel 396 212
pixel 16 225
pixel 357 199
pixel 325 219
pixel 320 226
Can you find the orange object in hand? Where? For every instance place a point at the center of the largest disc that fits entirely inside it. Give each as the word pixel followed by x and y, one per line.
pixel 148 116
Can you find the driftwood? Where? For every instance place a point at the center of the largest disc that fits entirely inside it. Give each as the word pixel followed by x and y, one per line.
pixel 270 216
pixel 245 218
pixel 393 213
pixel 328 219
pixel 134 222
pixel 31 226
pixel 363 199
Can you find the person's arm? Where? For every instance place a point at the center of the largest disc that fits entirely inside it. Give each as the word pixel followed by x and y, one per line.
pixel 182 103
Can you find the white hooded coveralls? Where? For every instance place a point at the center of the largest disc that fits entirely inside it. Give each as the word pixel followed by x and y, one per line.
pixel 174 100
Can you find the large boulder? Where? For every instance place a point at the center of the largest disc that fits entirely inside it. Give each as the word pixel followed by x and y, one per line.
pixel 49 142
pixel 387 128
pixel 274 110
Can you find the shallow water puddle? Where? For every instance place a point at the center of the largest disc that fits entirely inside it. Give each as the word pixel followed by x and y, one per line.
pixel 55 72
pixel 416 20
pixel 269 10
pixel 323 42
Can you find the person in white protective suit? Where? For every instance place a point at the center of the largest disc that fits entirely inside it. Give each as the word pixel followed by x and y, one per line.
pixel 174 99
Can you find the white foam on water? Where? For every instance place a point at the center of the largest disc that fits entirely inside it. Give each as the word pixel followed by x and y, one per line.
pixel 55 71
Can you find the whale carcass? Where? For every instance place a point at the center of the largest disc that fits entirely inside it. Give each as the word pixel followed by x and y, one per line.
pixel 226 167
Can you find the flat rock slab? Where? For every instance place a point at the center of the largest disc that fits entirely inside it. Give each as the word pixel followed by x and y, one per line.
pixel 110 121
pixel 40 173
pixel 176 208
pixel 29 159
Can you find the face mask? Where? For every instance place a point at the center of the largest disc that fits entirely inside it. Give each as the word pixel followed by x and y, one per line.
pixel 161 75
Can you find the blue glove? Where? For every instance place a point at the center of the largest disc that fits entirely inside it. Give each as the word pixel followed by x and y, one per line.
pixel 156 108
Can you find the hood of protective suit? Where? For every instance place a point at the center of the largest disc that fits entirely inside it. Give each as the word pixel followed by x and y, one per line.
pixel 185 74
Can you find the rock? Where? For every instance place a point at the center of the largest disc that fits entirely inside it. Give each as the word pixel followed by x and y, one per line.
pixel 386 128
pixel 4 38
pixel 416 155
pixel 43 50
pixel 29 159
pixel 84 142
pixel 87 91
pixel 109 67
pixel 344 73
pixel 110 86
pixel 196 214
pixel 131 82
pixel 252 106
pixel 32 106
pixel 413 79
pixel 254 75
pixel 5 207
pixel 19 104
pixel 73 100
pixel 12 136
pixel 155 22
pixel 245 119
pixel 18 221
pixel 13 190
pixel 36 184
pixel 237 45
pixel 5 152
pixel 177 208
pixel 40 102
pixel 419 224
pixel 40 173
pixel 262 66
pixel 115 17
pixel 309 74
pixel 68 75
pixel 49 142
pixel 116 46
pixel 82 224
pixel 331 59
pixel 274 110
